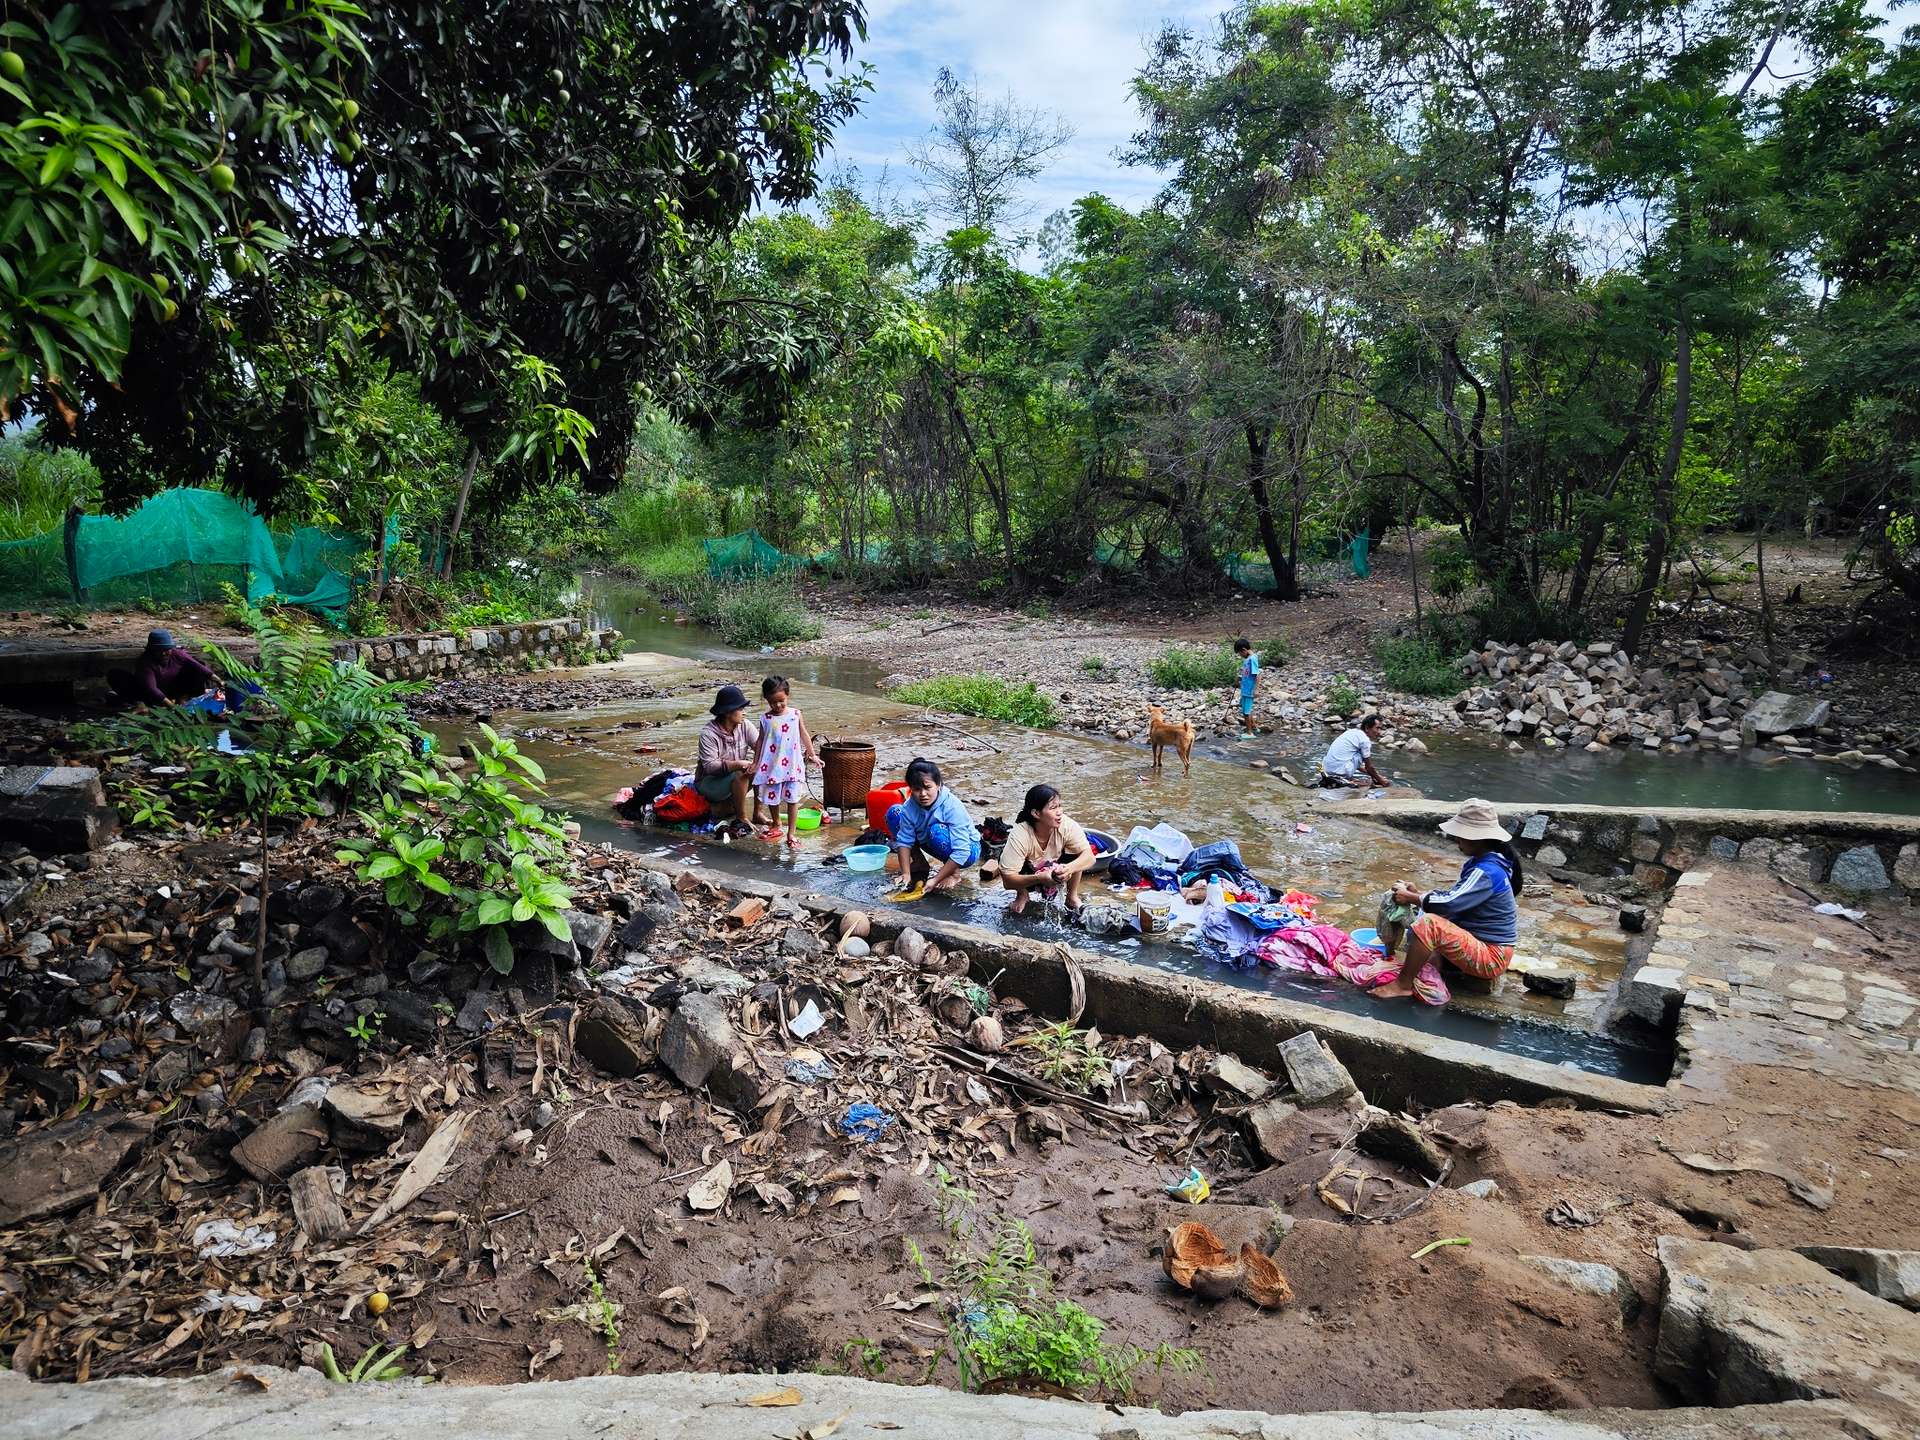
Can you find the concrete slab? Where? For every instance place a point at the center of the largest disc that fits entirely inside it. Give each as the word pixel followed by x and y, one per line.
pixel 303 1405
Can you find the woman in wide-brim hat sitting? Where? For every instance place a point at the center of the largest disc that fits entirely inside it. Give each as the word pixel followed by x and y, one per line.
pixel 729 749
pixel 1473 925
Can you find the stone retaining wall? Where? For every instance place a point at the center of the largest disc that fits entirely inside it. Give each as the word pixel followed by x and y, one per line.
pixel 1856 853
pixel 442 652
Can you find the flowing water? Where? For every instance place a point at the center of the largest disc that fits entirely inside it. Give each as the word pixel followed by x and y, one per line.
pixel 589 754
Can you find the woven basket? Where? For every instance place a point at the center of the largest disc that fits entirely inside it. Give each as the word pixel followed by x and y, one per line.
pixel 847 773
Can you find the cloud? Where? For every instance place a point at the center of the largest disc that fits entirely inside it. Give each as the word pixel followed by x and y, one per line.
pixel 1073 57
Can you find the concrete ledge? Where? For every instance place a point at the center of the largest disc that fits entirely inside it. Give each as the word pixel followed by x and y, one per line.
pixel 1391 1062
pixel 25 665
pixel 1658 844
pixel 261 1402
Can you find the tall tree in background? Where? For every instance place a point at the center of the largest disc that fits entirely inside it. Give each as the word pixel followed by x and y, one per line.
pixel 981 151
pixel 191 194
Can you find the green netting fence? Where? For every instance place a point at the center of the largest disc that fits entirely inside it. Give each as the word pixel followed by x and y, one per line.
pixel 180 547
pixel 747 555
pixel 1354 550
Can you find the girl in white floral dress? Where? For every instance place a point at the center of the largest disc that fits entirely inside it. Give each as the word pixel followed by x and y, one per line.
pixel 786 749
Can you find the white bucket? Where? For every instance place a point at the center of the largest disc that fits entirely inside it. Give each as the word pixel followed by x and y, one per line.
pixel 1156 911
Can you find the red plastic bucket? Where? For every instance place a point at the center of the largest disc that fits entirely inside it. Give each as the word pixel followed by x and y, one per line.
pixel 882 800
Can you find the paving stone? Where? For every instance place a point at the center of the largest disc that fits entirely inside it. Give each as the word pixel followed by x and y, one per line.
pixel 1906 867
pixel 1828 991
pixel 1740 1326
pixel 1821 1012
pixel 1654 993
pixel 1891 1274
pixel 1884 1014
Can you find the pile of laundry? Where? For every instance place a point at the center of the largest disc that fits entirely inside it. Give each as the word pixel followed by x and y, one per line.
pixel 1243 923
pixel 666 797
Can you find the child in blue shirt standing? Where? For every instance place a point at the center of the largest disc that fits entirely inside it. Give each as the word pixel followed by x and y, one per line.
pixel 1249 681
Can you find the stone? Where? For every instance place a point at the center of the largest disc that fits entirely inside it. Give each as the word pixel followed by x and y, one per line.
pixel 1534 827
pixel 411 1019
pixel 1906 867
pixel 1551 856
pixel 316 901
pixel 1633 918
pixel 288 1141
pixel 170 1071
pixel 1549 980
pixel 1589 1277
pixel 700 1048
pixel 1761 1326
pixel 1724 847
pixel 1891 1274
pixel 472 1019
pixel 425 968
pixel 1858 871
pixel 64 1166
pixel 1398 1139
pixel 1234 1082
pixel 701 973
pixel 1481 1189
pixel 800 943
pixel 199 1014
pixel 911 946
pixel 1779 713
pixel 1316 1076
pixel 607 1036
pixel 55 810
pixel 1654 994
pixel 365 1119
pixel 590 935
pixel 345 941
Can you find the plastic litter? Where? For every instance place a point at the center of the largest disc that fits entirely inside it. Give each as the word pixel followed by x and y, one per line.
pixel 1192 1188
pixel 218 1239
pixel 806 1022
pixel 865 1123
pixel 213 1300
pixel 1829 908
pixel 809 1072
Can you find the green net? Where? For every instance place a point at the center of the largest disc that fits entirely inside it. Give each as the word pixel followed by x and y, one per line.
pixel 180 547
pixel 1258 574
pixel 746 555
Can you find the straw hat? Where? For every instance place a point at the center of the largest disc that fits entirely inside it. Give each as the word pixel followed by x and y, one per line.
pixel 1474 820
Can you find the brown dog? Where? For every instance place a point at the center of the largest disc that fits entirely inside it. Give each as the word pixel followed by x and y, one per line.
pixel 1162 732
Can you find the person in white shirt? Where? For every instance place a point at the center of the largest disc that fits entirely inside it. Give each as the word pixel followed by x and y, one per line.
pixel 1350 758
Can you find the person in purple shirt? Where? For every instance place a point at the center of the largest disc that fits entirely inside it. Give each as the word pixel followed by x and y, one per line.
pixel 163 675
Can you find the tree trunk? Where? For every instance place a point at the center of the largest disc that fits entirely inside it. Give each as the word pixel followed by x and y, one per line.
pixel 1286 575
pixel 459 510
pixel 1660 539
pixel 380 563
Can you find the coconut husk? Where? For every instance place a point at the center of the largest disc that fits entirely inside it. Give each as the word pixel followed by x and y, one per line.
pixel 855 922
pixel 985 1035
pixel 1266 1283
pixel 1196 1260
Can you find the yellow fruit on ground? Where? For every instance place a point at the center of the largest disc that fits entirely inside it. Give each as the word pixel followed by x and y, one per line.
pixel 377 1302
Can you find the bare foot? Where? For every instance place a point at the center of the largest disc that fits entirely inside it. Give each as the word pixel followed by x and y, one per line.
pixel 948 883
pixel 1396 990
pixel 1019 902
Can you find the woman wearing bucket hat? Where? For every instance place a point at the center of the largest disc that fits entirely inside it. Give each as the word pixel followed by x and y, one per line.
pixel 1471 926
pixel 729 748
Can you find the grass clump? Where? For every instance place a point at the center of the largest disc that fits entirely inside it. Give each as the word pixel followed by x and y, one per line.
pixel 1005 1327
pixel 984 696
pixel 1418 667
pixel 1194 667
pixel 1093 664
pixel 746 613
pixel 1343 696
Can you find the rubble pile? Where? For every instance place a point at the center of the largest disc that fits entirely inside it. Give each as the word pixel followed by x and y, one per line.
pixel 1594 696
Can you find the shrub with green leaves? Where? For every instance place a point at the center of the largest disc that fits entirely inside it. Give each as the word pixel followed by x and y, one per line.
pixel 317 729
pixel 469 856
pixel 982 695
pixel 1343 696
pixel 1419 667
pixel 747 613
